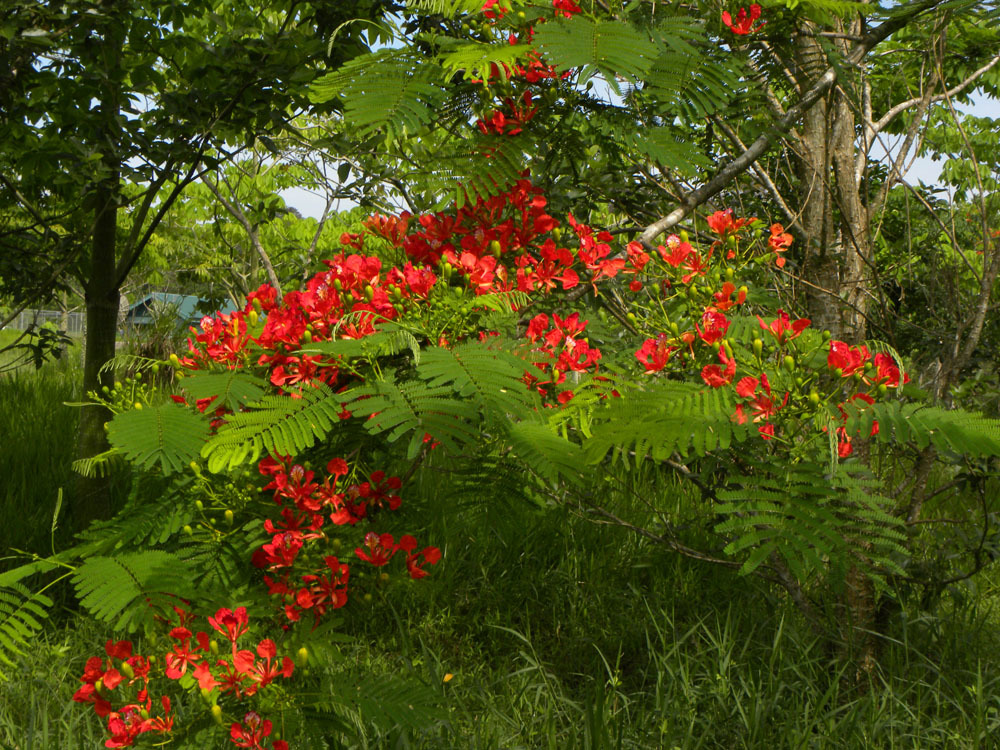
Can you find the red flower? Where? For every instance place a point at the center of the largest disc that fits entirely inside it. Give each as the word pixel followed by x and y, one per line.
pixel 655 353
pixel 763 404
pixel 780 326
pixel 887 372
pixel 379 549
pixel 430 555
pixel 722 222
pixel 715 326
pixel 715 376
pixel 744 22
pixel 847 359
pixel 779 242
pixel 252 732
pixel 229 623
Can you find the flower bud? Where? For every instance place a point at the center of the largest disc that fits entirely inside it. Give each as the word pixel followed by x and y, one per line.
pixel 338 285
pixel 217 714
pixel 674 328
pixel 790 363
pixel 302 656
pixel 369 292
pixel 758 346
pixel 730 273
pixel 126 669
pixel 253 316
pixel 883 389
pixel 813 398
pixel 155 368
pixel 683 235
pixel 495 248
pixel 229 517
pixel 137 405
pixel 256 304
pixel 175 360
pixel 199 505
pixel 384 578
pixel 213 646
pixel 367 597
pixel 307 337
pixel 827 335
pixel 188 530
pixel 194 467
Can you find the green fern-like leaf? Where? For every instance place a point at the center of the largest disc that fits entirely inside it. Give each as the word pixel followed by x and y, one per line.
pixel 22 613
pixel 233 389
pixel 482 374
pixel 387 341
pixel 126 589
pixel 954 431
pixel 276 424
pixel 665 417
pixel 615 48
pixel 386 701
pixel 811 519
pixel 168 435
pixel 391 90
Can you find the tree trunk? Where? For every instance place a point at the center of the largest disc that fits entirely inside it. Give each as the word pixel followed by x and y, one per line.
pixel 93 496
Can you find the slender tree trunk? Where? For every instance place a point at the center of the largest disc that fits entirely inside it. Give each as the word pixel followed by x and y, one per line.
pixel 93 495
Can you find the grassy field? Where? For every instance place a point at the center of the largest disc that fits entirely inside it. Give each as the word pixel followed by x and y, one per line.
pixel 559 633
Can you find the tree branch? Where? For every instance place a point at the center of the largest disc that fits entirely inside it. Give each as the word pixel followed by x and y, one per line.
pixel 822 85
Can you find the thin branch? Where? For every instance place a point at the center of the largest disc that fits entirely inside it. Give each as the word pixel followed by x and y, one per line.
pixel 819 89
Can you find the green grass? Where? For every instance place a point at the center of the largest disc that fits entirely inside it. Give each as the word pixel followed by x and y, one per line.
pixel 559 633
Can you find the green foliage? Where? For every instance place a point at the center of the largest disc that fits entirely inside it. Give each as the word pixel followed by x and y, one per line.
pixel 389 89
pixel 22 613
pixel 278 424
pixel 232 389
pixel 127 590
pixel 663 417
pixel 811 519
pixel 950 431
pixel 615 48
pixel 164 435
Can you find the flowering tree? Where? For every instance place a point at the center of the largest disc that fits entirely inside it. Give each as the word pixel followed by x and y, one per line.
pixel 497 324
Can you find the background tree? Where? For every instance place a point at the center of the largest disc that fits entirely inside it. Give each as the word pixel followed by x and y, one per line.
pixel 106 95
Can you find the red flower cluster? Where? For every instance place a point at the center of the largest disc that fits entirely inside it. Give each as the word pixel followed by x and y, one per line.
pixel 252 732
pixel 762 405
pixel 744 21
pixel 240 673
pixel 513 121
pixel 323 587
pixel 497 243
pixel 564 349
pixel 782 328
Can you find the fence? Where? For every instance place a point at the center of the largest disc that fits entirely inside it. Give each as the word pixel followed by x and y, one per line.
pixel 75 321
